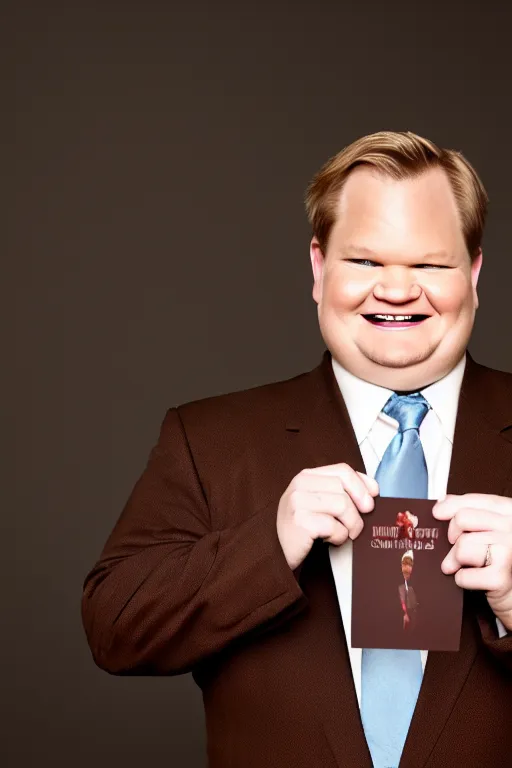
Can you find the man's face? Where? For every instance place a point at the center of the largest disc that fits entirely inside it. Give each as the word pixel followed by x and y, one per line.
pixel 406 569
pixel 396 249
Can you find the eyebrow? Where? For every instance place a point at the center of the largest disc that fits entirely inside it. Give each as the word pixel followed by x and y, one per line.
pixel 361 250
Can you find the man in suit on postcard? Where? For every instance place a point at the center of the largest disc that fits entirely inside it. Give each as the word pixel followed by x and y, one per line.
pixel 406 593
pixel 232 557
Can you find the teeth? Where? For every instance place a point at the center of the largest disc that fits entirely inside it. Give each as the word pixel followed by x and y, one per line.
pixel 394 317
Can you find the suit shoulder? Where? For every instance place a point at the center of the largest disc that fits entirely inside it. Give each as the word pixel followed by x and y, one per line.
pixel 490 390
pixel 270 400
pixel 497 379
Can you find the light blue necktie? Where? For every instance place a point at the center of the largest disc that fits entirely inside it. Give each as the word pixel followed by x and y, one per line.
pixel 391 679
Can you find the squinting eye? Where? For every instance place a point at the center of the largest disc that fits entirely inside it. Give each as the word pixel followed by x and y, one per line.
pixel 364 262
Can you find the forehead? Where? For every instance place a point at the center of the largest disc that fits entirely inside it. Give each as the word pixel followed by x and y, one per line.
pixel 375 206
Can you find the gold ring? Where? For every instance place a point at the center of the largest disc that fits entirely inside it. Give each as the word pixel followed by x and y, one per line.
pixel 488 558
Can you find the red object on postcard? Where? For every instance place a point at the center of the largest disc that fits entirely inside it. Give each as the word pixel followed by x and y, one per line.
pixel 400 596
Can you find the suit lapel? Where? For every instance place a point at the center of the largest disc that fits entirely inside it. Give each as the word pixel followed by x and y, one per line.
pixel 482 454
pixel 323 436
pixel 326 434
pixel 481 462
pixel 445 675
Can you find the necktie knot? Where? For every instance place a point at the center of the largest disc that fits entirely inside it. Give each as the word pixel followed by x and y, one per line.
pixel 408 410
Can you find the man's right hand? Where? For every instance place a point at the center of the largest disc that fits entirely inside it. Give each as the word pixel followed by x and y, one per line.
pixel 323 502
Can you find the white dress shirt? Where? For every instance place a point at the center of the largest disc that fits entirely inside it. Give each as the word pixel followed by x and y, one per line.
pixel 374 431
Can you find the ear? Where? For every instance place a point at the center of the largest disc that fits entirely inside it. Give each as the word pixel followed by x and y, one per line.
pixel 317 265
pixel 476 266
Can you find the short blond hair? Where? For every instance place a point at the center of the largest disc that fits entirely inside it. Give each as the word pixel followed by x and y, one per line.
pixel 401 155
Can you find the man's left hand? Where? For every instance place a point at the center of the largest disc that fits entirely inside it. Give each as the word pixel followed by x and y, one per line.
pixel 480 531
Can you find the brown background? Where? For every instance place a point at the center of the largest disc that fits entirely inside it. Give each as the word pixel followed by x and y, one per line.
pixel 157 252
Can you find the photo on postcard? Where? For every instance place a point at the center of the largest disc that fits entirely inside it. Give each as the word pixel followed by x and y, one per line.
pixel 400 596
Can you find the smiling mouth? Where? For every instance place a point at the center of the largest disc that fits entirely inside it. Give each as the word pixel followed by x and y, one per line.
pixel 396 321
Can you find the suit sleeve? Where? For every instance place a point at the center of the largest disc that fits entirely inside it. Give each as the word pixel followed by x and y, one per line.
pixel 168 591
pixel 496 643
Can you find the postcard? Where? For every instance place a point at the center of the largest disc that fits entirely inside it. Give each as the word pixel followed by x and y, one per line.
pixel 400 596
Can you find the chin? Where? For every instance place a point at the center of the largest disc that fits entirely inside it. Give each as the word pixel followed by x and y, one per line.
pixel 406 358
pixel 407 367
pixel 400 361
pixel 413 372
pixel 396 372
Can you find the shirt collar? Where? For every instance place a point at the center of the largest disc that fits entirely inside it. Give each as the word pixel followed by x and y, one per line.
pixel 443 396
pixel 365 401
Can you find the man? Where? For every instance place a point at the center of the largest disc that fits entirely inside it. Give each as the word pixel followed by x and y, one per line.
pixel 232 557
pixel 406 593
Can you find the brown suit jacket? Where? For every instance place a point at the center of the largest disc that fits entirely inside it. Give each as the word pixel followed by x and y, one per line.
pixel 193 578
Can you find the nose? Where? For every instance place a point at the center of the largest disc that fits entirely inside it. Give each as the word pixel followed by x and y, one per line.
pixel 396 284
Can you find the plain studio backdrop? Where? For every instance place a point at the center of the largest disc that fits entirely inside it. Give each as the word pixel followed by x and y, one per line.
pixel 157 252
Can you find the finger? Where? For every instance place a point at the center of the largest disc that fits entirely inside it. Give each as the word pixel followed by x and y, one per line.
pixel 338 505
pixel 467 519
pixel 496 578
pixel 350 484
pixel 326 527
pixel 354 483
pixel 316 483
pixel 470 549
pixel 370 483
pixel 340 534
pixel 446 508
